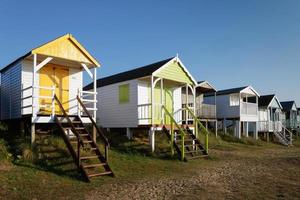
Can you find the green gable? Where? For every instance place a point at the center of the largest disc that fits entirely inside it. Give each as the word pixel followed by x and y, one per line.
pixel 173 71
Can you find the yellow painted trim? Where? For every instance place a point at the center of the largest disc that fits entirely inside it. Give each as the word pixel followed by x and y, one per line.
pixel 74 41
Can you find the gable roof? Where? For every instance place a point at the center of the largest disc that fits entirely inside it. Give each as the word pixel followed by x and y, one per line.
pixel 139 72
pixel 42 50
pixel 287 105
pixel 202 83
pixel 265 100
pixel 231 90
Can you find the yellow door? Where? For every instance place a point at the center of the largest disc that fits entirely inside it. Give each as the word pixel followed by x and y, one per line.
pixel 46 80
pixel 57 76
pixel 62 88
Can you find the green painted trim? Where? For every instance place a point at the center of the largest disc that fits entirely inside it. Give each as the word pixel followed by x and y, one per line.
pixel 124 93
pixel 175 72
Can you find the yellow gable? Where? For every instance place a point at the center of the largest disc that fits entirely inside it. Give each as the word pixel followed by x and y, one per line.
pixel 174 71
pixel 66 47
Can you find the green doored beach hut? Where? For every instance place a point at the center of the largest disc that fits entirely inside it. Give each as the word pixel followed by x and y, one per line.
pixel 148 97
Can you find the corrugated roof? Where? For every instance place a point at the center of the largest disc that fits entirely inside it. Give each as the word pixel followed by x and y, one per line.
pixel 129 75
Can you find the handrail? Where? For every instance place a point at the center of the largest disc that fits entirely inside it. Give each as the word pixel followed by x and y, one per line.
pixel 172 131
pixel 69 121
pixel 194 116
pixel 100 133
pixel 198 123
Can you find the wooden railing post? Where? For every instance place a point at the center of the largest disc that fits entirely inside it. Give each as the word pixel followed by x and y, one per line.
pixel 53 101
pixel 106 153
pixel 182 146
pixel 78 152
pixel 172 138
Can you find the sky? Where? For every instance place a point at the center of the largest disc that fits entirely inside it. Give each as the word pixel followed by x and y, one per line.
pixel 230 43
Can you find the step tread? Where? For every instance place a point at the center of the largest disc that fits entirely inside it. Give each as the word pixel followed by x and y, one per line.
pixel 94 165
pixel 99 174
pixel 195 151
pixel 196 157
pixel 88 157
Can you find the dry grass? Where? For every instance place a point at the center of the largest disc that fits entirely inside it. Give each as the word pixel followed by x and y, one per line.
pixel 235 170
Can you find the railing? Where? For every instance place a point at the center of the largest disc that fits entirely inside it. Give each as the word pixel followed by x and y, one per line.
pixel 38 101
pixel 87 98
pixel 291 124
pixel 26 93
pixel 68 120
pixel 249 108
pixel 98 130
pixel 206 111
pixel 182 134
pixel 198 124
pixel 144 113
pixel 266 126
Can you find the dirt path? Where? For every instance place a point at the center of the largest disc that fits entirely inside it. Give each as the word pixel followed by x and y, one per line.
pixel 268 174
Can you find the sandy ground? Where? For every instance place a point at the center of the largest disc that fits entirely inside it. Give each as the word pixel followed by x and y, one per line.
pixel 247 174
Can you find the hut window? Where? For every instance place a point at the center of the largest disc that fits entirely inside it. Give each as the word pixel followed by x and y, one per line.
pixel 124 93
pixel 234 99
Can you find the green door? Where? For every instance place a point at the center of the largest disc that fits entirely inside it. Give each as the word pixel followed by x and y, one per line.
pixel 168 103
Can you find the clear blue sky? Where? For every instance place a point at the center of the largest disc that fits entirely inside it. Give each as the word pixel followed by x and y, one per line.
pixel 229 43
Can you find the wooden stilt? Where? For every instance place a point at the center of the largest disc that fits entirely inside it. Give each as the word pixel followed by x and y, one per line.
pixel 32 134
pixel 94 134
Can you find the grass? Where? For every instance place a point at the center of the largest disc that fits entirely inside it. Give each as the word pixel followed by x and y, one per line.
pixel 53 175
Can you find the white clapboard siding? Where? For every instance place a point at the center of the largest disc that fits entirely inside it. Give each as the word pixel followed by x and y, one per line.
pixel 75 83
pixel 144 97
pixel 11 92
pixel 27 82
pixel 112 114
pixel 177 99
pixel 224 110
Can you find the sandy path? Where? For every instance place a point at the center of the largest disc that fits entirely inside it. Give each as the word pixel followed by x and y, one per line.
pixel 238 175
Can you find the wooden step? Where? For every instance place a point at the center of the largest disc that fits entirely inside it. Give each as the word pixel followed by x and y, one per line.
pixel 84 135
pixel 194 151
pixel 76 122
pixel 94 165
pixel 186 140
pixel 196 157
pixel 42 132
pixel 99 174
pixel 84 141
pixel 88 157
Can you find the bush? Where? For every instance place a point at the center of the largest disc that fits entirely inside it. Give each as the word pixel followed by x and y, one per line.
pixel 4 154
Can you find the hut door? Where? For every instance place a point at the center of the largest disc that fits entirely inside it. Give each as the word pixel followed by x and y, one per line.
pixel 57 76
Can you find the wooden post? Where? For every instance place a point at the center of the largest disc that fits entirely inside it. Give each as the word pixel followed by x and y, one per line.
pixel 95 93
pixel 186 103
pixel 172 138
pixel 94 134
pixel 34 95
pixel 182 147
pixel 32 133
pixel 216 128
pixel 162 100
pixel 224 126
pixel 152 139
pixel 152 102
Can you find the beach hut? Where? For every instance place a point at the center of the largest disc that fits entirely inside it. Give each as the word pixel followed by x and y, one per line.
pixel 290 110
pixel 44 89
pixel 270 118
pixel 148 97
pixel 237 109
pixel 205 109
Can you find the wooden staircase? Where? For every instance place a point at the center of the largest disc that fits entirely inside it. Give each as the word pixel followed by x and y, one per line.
pixel 284 136
pixel 84 150
pixel 188 145
pixel 184 140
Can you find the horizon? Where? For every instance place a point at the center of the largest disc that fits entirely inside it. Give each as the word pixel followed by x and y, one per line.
pixel 236 43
